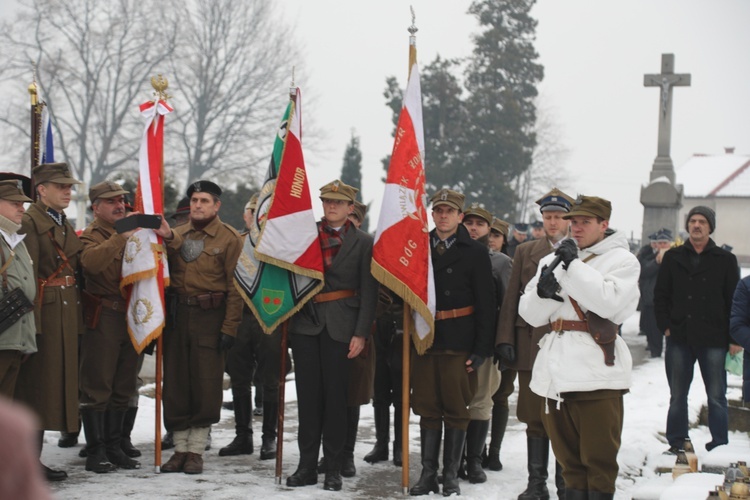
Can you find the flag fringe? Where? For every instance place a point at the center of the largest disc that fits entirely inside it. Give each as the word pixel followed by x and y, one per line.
pixel 147 340
pixel 288 266
pixel 402 290
pixel 268 330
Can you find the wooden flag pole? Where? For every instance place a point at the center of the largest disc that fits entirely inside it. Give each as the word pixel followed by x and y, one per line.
pixel 405 404
pixel 36 125
pixel 157 426
pixel 282 396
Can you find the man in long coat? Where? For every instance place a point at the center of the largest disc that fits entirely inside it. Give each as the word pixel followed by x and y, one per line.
pixel 48 380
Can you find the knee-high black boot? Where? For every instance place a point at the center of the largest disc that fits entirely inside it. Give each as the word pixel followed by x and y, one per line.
pixel 96 455
pixel 270 425
pixel 537 449
pixel 242 444
pixel 398 433
pixel 430 448
pixel 476 435
pixel 113 432
pixel 454 446
pixel 499 423
pixel 382 424
pixel 127 427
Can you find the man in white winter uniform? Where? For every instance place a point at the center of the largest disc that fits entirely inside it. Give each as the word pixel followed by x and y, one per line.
pixel 583 378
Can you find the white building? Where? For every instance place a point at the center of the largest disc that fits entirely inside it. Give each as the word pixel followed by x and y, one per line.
pixel 721 182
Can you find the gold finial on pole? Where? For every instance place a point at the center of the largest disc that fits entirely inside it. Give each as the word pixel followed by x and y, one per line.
pixel 160 84
pixel 33 91
pixel 292 86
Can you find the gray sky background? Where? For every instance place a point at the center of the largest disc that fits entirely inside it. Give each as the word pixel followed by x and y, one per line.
pixel 595 53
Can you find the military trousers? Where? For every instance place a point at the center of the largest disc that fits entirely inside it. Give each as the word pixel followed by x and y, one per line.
pixel 530 406
pixel 108 364
pixel 507 380
pixel 488 382
pixel 585 436
pixel 254 350
pixel 193 368
pixel 321 376
pixel 10 364
pixel 388 362
pixel 442 389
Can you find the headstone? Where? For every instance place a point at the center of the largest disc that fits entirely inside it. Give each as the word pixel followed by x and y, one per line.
pixel 662 198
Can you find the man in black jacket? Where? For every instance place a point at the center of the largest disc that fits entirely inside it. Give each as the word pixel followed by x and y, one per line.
pixel 444 379
pixel 693 299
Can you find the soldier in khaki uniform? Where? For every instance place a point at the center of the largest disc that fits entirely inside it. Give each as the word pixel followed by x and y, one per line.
pixel 477 220
pixel 109 363
pixel 202 257
pixel 517 342
pixel 444 378
pixel 19 338
pixel 48 380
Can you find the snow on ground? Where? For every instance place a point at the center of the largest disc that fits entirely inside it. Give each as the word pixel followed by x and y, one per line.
pixel 244 477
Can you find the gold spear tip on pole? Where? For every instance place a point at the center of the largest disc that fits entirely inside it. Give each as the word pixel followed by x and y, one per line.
pixel 160 84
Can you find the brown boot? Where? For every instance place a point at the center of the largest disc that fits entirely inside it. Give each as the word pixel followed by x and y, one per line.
pixel 193 464
pixel 176 463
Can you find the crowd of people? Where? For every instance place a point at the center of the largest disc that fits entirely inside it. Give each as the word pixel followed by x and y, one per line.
pixel 541 308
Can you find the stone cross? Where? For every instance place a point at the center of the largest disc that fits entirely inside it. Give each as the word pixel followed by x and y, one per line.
pixel 666 81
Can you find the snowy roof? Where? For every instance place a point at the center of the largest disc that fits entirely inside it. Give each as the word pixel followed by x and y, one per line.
pixel 715 175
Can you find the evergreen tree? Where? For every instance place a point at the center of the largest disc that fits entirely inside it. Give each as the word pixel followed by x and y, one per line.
pixel 501 81
pixel 351 171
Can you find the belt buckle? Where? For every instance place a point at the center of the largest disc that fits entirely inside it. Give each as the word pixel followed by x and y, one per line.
pixel 116 305
pixel 70 280
pixel 557 325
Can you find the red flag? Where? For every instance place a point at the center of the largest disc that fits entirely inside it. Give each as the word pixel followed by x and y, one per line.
pixel 401 256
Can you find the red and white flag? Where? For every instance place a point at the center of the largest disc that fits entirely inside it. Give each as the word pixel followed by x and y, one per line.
pixel 145 272
pixel 401 258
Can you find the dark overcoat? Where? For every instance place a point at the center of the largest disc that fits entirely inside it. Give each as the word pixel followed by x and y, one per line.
pixel 694 302
pixel 739 327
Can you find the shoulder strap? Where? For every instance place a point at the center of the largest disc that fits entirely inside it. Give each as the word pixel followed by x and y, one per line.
pixel 573 301
pixel 62 255
pixel 5 266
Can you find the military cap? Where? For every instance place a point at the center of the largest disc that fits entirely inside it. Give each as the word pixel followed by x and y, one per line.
pixel 203 187
pixel 652 237
pixel 183 207
pixel 360 210
pixel 663 234
pixel 337 190
pixel 590 206
pixel 106 189
pixel 537 224
pixel 12 190
pixel 500 226
pixel 25 181
pixel 253 203
pixel 726 247
pixel 448 197
pixel 53 172
pixel 521 227
pixel 478 211
pixel 555 201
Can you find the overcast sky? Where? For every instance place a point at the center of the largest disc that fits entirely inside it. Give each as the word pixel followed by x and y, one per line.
pixel 594 52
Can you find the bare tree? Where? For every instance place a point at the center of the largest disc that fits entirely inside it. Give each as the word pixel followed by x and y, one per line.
pixel 232 70
pixel 93 61
pixel 547 168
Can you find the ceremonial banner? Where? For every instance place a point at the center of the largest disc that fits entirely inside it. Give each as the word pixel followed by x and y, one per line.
pixel 401 257
pixel 145 272
pixel 281 266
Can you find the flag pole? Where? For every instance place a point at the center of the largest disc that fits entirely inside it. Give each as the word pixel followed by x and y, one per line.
pixel 160 85
pixel 283 356
pixel 406 360
pixel 36 123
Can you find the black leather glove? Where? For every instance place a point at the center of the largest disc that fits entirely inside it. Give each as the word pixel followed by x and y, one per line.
pixel 568 251
pixel 476 361
pixel 506 352
pixel 226 342
pixel 547 287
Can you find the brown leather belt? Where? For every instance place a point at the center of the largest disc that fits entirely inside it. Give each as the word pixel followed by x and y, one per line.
pixel 64 281
pixel 115 305
pixel 195 300
pixel 335 295
pixel 454 313
pixel 561 325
